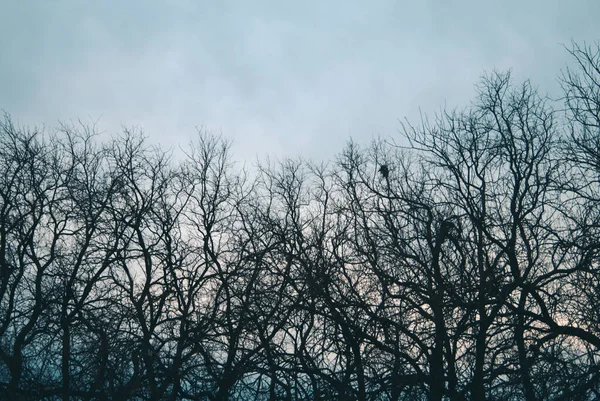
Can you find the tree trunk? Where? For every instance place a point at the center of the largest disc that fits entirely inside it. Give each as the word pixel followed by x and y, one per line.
pixel 66 355
pixel 524 366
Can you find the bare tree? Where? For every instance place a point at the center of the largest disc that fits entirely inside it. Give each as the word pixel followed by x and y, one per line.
pixel 463 266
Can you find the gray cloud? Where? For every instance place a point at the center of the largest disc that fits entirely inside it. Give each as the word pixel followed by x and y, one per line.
pixel 284 78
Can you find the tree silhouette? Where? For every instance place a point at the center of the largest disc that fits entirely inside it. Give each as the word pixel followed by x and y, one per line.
pixel 464 266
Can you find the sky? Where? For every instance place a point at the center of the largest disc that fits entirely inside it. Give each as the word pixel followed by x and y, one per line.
pixel 278 78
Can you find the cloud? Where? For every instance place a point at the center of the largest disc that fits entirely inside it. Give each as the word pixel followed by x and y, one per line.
pixel 284 78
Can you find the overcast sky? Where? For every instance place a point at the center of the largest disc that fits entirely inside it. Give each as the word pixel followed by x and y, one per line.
pixel 284 78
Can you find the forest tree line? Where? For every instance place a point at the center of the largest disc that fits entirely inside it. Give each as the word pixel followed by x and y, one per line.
pixel 458 261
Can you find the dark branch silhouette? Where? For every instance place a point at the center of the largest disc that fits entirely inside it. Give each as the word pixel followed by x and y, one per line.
pixel 474 274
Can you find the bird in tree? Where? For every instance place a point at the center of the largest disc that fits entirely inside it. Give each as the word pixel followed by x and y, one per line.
pixel 384 170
